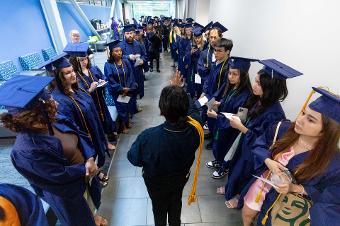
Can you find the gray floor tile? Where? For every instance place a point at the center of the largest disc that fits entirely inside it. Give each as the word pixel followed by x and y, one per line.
pixel 131 187
pixel 122 168
pixel 213 209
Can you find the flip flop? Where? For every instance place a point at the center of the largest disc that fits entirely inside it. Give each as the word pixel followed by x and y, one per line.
pixel 229 204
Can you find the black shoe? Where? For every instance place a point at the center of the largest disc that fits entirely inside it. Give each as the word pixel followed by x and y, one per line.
pixel 151 70
pixel 209 145
pixel 213 164
pixel 173 65
pixel 158 71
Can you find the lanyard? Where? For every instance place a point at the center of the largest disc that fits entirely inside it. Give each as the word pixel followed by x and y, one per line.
pixel 208 54
pixel 120 82
pixel 230 95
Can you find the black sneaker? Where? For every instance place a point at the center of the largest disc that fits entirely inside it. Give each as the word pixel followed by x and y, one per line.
pixel 213 164
pixel 219 174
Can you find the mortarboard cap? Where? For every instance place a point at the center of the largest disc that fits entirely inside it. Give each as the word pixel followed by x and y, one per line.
pixel 180 25
pixel 189 20
pixel 327 104
pixel 278 69
pixel 129 27
pixel 113 44
pixel 197 31
pixel 208 26
pixel 240 63
pixel 219 26
pixel 20 91
pixel 49 63
pixel 187 25
pixel 77 49
pixel 198 25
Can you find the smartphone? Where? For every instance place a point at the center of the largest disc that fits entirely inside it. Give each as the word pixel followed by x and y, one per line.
pixel 242 114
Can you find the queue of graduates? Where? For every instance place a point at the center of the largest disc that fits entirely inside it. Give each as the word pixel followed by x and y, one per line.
pixel 62 132
pixel 250 135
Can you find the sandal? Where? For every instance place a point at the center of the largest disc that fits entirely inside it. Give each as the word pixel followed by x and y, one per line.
pixel 232 203
pixel 102 176
pixel 220 190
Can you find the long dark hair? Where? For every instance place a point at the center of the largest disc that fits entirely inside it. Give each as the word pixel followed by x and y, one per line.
pixel 274 90
pixel 244 84
pixel 319 157
pixel 60 81
pixel 174 105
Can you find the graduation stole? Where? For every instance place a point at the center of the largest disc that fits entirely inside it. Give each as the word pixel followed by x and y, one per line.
pixel 197 125
pixel 11 215
pixel 97 95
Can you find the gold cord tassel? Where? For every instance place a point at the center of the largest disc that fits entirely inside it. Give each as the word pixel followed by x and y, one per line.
pixel 192 195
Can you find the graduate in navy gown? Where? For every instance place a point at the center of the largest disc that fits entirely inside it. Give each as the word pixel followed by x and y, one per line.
pixel 214 85
pixel 119 74
pixel 19 206
pixel 166 153
pixel 89 77
pixel 264 109
pixel 184 51
pixel 77 104
pixel 173 42
pixel 215 33
pixel 308 148
pixel 236 93
pixel 133 51
pixel 38 155
pixel 195 89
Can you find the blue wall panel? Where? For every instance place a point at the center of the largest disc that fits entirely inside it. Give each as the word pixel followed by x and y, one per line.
pixel 23 29
pixel 71 20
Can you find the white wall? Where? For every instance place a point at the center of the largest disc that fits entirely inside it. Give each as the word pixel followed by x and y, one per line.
pixel 202 9
pixel 305 34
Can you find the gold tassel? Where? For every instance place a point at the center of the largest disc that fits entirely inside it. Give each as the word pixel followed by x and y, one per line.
pixel 192 195
pixel 265 218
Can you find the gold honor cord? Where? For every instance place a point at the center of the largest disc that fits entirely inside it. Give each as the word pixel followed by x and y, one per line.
pixel 120 82
pixel 97 95
pixel 192 195
pixel 11 215
pixel 82 117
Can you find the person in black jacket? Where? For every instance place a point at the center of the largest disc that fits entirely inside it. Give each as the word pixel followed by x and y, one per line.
pixel 155 43
pixel 166 153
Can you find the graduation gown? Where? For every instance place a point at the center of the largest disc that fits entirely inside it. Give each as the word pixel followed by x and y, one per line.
pixel 184 49
pixel 242 164
pixel 204 63
pixel 84 114
pixel 27 205
pixel 225 135
pixel 39 158
pixel 323 190
pixel 135 48
pixel 214 85
pixel 98 97
pixel 119 78
pixel 174 45
pixel 196 88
